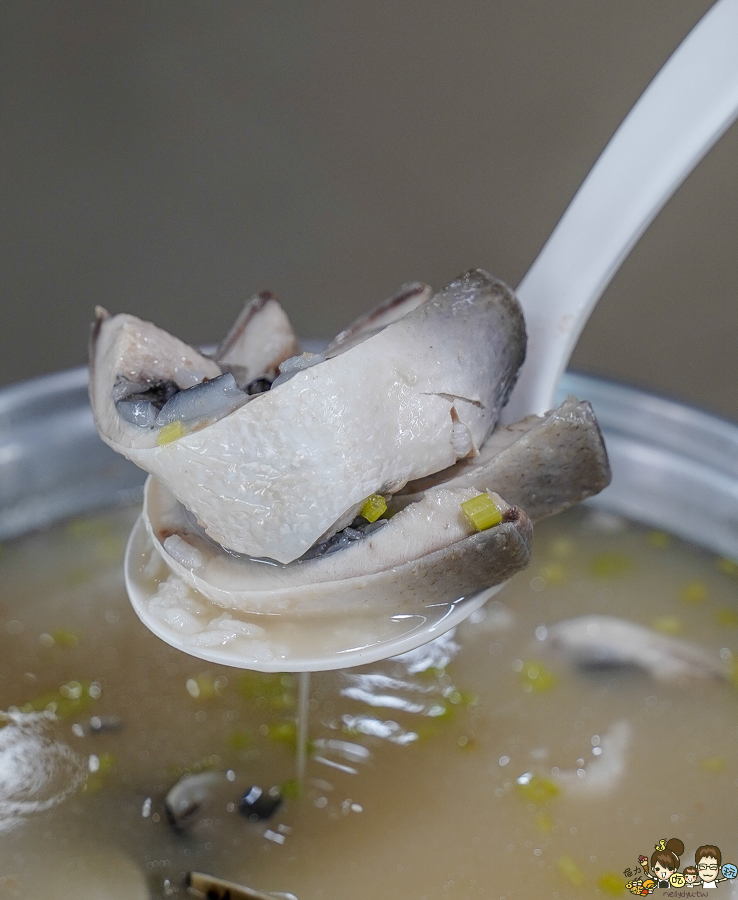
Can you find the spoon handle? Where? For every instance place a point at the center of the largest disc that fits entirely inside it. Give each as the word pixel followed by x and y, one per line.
pixel 690 103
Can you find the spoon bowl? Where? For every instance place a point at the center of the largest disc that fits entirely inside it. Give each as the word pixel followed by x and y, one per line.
pixel 278 643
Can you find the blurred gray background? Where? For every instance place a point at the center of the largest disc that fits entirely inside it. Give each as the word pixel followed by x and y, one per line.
pixel 171 158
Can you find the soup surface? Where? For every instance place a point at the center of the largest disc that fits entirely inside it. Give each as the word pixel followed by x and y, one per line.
pixel 491 764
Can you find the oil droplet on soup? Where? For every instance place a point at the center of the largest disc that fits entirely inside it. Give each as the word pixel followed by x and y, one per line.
pixel 493 763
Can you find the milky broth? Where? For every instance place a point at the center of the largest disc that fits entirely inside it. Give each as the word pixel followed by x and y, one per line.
pixel 412 785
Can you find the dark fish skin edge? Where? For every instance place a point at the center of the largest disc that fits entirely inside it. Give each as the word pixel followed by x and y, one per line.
pixel 457 326
pixel 236 330
pixel 365 324
pixel 512 310
pixel 482 560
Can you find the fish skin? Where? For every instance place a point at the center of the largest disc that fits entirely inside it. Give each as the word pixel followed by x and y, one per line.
pixel 390 310
pixel 275 475
pixel 258 341
pixel 426 554
pixel 609 640
pixel 125 346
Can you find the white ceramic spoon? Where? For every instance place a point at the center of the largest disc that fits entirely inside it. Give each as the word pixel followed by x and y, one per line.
pixel 687 107
pixel 690 103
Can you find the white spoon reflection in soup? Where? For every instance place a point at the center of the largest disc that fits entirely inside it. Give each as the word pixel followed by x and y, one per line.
pixel 455 771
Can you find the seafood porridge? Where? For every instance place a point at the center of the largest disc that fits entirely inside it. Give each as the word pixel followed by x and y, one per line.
pixel 530 751
pixel 508 759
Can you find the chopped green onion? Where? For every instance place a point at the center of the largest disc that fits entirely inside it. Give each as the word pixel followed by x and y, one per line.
pixel 694 592
pixel 728 566
pixel 610 565
pixel 101 765
pixel 726 618
pixel 553 573
pixel 240 740
pixel 536 677
pixel 570 870
pixel 482 512
pixel 373 507
pixel 291 789
pixel 64 638
pixel 714 764
pixel 537 789
pixel 610 883
pixel 283 732
pixel 71 699
pixel 169 433
pixel 667 624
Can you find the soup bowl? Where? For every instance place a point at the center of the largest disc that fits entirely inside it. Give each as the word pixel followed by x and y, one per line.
pixel 506 759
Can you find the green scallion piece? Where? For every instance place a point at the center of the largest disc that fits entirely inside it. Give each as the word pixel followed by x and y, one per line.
pixel 482 512
pixel 373 507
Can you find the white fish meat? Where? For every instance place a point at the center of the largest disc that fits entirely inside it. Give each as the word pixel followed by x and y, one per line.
pixel 427 551
pixel 603 641
pixel 295 463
